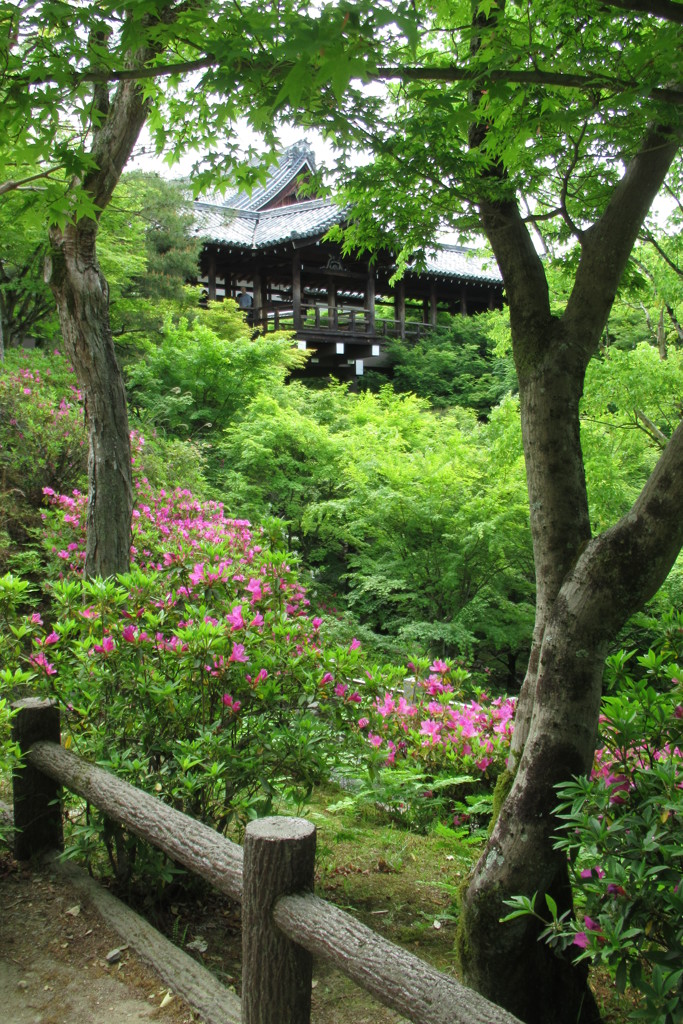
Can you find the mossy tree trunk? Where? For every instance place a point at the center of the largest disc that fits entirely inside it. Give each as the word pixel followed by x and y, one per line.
pixel 82 297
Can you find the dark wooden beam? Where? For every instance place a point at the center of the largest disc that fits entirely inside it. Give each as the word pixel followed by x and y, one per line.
pixel 296 289
pixel 432 303
pixel 400 308
pixel 370 299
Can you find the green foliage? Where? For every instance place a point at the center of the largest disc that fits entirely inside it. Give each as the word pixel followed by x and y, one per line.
pixel 205 372
pixel 455 363
pixel 148 254
pixel 419 519
pixel 27 309
pixel 42 441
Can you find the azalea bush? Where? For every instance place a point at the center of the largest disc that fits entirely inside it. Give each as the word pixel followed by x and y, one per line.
pixel 437 742
pixel 622 831
pixel 200 674
pixel 42 441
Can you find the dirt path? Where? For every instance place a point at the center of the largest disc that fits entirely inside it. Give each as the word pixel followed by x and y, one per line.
pixel 57 960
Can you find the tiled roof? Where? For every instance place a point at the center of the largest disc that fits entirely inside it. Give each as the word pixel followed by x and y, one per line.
pixel 456 261
pixel 292 162
pixel 260 230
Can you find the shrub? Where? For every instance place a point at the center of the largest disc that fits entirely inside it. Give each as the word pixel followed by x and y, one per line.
pixel 199 675
pixel 622 830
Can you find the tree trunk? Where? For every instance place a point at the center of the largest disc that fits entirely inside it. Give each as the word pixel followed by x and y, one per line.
pixel 614 575
pixel 82 297
pixel 586 589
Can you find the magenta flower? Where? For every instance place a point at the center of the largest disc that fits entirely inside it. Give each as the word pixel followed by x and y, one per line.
pixel 363 722
pixel 340 689
pixel 354 645
pixel 238 653
pixel 40 661
pixel 106 647
pixel 327 678
pixel 581 939
pixel 235 618
pixel 439 666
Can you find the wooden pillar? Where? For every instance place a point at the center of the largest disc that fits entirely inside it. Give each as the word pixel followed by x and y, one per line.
pixel 332 304
pixel 370 301
pixel 432 303
pixel 279 859
pixel 256 299
pixel 212 275
pixel 263 302
pixel 400 308
pixel 296 289
pixel 37 807
pixel 463 299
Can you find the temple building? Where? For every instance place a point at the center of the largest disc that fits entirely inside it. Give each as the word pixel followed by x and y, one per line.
pixel 267 250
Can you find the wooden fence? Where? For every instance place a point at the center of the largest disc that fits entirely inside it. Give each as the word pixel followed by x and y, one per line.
pixel 283 923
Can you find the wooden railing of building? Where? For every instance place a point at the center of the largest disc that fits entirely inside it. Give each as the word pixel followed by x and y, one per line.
pixel 283 924
pixel 336 320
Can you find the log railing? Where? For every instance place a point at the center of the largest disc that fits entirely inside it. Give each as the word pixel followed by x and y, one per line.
pixel 283 923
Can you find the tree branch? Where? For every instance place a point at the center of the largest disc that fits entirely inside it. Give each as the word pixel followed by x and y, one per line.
pixel 12 186
pixel 650 428
pixel 665 9
pixel 607 245
pixel 405 74
pixel 551 78
pixel 649 237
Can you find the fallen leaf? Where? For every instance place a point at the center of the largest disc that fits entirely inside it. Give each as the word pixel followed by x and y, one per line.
pixel 199 944
pixel 168 998
pixel 74 911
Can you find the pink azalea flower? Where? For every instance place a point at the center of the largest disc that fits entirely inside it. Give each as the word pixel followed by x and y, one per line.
pixel 40 661
pixel 439 666
pixel 340 689
pixel 238 653
pixel 363 722
pixel 581 939
pixel 232 705
pixel 327 678
pixel 235 618
pixel 354 645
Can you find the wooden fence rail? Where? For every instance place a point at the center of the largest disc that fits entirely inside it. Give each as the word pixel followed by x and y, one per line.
pixel 283 923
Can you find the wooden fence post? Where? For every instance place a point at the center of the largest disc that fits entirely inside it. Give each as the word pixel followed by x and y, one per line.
pixel 279 859
pixel 37 805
